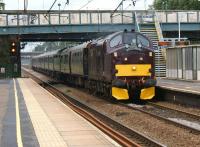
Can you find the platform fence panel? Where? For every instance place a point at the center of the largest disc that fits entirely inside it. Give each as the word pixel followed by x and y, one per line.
pixel 183 62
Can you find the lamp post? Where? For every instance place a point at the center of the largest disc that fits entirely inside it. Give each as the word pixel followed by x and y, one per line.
pixel 59 12
pixel 179 22
pixel 145 4
pixel 179 27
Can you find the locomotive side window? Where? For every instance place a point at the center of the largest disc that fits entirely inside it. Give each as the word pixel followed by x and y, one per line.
pixel 143 41
pixel 117 40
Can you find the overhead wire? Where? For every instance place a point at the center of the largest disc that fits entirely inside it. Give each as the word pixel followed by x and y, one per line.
pixel 66 3
pixel 89 1
pixel 45 16
pixel 52 6
pixel 121 14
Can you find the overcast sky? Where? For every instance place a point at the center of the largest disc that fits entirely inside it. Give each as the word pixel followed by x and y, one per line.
pixel 76 4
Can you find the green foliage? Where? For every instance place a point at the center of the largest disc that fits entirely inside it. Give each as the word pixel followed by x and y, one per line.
pixel 4 50
pixel 176 5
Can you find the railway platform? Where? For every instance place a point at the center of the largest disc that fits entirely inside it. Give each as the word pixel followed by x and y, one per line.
pixel 180 85
pixel 181 91
pixel 31 116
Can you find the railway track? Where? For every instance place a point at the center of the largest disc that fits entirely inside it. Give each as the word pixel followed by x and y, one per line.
pixel 121 134
pixel 176 117
pixel 196 116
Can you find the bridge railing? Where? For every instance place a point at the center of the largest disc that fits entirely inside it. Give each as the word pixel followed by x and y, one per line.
pixel 15 18
pixel 85 17
pixel 168 16
pixel 173 16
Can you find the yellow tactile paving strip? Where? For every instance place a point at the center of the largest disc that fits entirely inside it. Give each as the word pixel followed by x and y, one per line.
pixel 45 131
pixel 70 127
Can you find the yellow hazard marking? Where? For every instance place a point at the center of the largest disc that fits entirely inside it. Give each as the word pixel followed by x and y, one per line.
pixel 147 93
pixel 18 128
pixel 119 93
pixel 133 70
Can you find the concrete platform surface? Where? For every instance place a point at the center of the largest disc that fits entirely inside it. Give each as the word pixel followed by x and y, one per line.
pixel 31 116
pixel 180 85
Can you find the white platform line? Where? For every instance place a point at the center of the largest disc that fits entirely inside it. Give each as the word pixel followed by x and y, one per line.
pixel 46 132
pixel 18 128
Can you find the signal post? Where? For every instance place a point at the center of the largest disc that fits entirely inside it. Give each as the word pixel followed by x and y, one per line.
pixel 10 63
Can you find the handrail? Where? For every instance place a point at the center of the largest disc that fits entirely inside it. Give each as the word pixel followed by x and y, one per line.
pixel 136 22
pixel 158 28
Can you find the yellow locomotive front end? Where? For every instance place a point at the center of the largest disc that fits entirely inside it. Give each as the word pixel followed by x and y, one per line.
pixel 133 68
pixel 134 71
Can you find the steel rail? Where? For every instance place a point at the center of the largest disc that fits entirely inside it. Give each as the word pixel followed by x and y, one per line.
pixel 196 131
pixel 195 116
pixel 99 122
pixel 122 140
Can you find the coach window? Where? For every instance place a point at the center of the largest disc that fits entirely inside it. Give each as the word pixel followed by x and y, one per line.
pixel 141 40
pixel 117 40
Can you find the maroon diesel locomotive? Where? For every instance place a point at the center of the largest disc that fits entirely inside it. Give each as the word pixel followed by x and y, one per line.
pixel 120 65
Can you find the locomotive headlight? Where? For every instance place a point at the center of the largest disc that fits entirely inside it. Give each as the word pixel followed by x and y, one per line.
pixel 125 59
pixel 134 68
pixel 115 54
pixel 150 54
pixel 141 59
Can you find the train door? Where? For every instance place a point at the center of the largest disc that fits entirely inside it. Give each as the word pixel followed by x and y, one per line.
pixel 70 54
pixel 85 61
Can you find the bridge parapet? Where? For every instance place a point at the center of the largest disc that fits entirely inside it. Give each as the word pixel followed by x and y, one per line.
pixel 33 22
pixel 15 18
pixel 70 17
pixel 174 16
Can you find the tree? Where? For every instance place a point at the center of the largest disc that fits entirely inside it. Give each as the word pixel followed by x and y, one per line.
pixel 176 4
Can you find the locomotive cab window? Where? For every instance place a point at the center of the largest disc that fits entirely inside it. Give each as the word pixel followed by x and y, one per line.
pixel 130 39
pixel 131 42
pixel 142 41
pixel 117 40
pixel 135 41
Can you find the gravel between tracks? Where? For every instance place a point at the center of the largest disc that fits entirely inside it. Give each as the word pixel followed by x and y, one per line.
pixel 181 107
pixel 167 134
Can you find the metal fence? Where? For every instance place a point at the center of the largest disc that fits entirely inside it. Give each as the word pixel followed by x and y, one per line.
pixel 183 62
